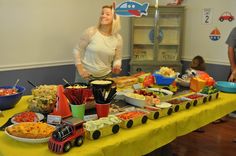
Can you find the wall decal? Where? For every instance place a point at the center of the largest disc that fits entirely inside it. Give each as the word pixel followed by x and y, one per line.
pixel 132 9
pixel 207 16
pixel 215 34
pixel 226 16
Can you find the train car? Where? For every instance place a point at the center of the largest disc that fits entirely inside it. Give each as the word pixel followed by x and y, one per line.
pixel 70 133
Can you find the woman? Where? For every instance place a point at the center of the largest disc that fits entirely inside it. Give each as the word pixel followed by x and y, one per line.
pixel 98 53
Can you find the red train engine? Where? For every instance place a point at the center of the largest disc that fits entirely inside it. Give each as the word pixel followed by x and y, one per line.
pixel 70 133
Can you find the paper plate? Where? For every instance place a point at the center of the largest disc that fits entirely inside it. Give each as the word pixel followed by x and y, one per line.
pixel 224 86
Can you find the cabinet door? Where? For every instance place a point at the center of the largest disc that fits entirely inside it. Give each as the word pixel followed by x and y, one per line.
pixel 143 39
pixel 169 45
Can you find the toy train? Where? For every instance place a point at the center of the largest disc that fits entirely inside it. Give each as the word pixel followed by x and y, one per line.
pixel 70 133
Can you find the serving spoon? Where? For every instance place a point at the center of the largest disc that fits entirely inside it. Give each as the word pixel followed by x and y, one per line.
pixel 14 86
pixel 66 82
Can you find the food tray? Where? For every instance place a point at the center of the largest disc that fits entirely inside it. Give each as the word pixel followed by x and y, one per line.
pixel 102 127
pixel 197 98
pixel 28 140
pixel 102 132
pixel 153 112
pixel 211 91
pixel 164 111
pixel 131 122
pixel 180 104
pixel 213 96
pixel 136 102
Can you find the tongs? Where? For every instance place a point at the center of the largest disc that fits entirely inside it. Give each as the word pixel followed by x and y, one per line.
pixel 31 84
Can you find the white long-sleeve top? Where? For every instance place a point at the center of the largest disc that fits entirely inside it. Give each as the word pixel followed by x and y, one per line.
pixel 97 52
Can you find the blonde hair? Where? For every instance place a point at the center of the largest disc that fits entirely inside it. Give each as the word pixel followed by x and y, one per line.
pixel 116 26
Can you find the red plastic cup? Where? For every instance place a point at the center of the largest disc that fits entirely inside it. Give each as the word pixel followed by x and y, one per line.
pixel 102 110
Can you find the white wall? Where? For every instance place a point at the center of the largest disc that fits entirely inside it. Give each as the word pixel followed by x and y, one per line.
pixel 197 34
pixel 37 33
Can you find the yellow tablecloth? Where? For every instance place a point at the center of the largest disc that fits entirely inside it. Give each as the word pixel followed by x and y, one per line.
pixel 138 140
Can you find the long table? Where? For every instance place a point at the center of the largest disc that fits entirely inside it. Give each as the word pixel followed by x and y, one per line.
pixel 138 140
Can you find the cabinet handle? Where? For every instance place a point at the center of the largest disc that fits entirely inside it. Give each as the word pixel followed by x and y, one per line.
pixel 138 69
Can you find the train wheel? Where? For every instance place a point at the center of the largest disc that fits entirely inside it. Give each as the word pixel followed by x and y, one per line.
pixel 188 105
pixel 79 141
pixel 129 124
pixel 96 134
pixel 176 108
pixel 210 97
pixel 204 99
pixel 169 112
pixel 67 147
pixel 115 129
pixel 156 115
pixel 144 119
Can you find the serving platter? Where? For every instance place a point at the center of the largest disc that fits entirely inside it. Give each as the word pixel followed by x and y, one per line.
pixel 224 86
pixel 27 140
pixel 39 115
pixel 139 102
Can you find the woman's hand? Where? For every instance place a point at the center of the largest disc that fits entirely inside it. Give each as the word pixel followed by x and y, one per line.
pixel 116 69
pixel 232 77
pixel 83 73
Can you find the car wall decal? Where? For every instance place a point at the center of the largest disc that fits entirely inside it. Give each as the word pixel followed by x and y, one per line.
pixel 226 16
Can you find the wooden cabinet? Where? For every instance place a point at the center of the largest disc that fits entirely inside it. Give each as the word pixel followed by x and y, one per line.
pixel 157 39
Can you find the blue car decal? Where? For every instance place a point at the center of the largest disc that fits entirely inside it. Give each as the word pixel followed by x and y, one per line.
pixel 132 9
